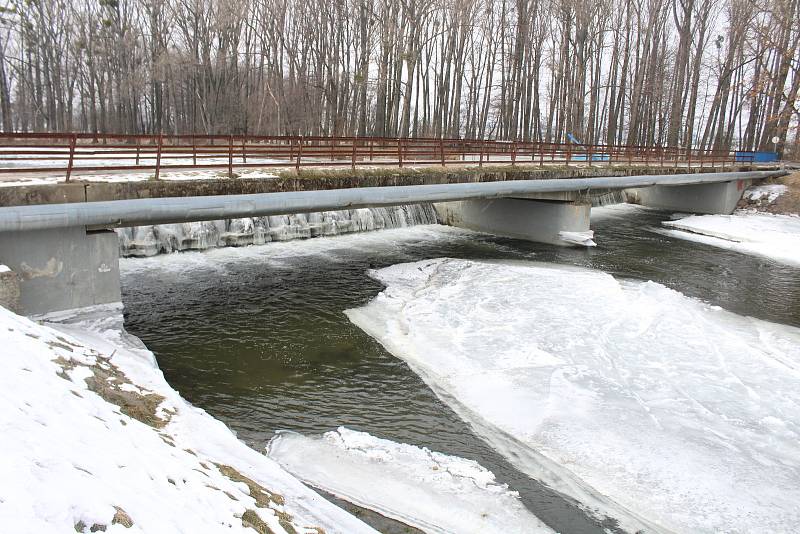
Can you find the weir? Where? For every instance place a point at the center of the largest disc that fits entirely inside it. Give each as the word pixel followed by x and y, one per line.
pixel 65 256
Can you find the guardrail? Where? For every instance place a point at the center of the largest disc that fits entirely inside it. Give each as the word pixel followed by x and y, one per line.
pixel 71 153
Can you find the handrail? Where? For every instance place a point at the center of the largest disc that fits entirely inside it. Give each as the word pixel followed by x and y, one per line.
pixel 92 153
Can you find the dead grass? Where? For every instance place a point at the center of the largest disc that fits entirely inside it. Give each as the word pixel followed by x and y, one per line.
pixel 789 202
pixel 143 407
pixel 106 381
pixel 264 499
pixel 462 170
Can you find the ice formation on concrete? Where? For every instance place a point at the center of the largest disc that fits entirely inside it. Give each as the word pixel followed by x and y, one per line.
pixel 165 238
pixel 651 407
pixel 771 236
pixel 428 490
pixel 94 439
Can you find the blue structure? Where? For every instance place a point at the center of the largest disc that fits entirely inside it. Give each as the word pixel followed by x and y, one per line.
pixel 747 156
pixel 579 156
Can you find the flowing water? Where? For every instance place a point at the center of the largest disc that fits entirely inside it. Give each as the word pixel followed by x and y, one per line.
pixel 257 335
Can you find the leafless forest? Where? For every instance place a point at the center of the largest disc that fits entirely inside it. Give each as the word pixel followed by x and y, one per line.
pixel 713 73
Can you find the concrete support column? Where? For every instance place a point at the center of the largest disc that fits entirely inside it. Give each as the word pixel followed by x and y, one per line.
pixel 544 221
pixel 718 198
pixel 63 268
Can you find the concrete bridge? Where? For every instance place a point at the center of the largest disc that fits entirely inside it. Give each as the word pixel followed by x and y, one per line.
pixel 64 255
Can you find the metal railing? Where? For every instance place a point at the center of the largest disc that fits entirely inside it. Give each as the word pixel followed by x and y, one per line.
pixel 72 153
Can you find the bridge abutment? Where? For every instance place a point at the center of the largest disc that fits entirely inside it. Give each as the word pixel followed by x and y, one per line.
pixel 62 268
pixel 716 198
pixel 556 222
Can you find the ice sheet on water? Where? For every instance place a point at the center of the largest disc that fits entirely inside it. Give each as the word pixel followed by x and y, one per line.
pixel 425 489
pixel 653 407
pixel 772 236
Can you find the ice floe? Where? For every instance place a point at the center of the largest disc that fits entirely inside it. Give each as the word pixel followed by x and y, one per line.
pixel 94 439
pixel 762 234
pixel 649 406
pixel 429 490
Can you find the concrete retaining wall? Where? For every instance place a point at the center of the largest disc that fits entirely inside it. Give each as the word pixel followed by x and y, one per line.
pixel 62 269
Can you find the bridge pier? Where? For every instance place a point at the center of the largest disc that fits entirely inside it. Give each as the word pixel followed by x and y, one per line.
pixel 62 268
pixel 557 222
pixel 715 198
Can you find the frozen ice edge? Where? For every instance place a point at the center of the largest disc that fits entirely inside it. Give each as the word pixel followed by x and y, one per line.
pixel 520 455
pixel 434 492
pixel 775 237
pixel 407 302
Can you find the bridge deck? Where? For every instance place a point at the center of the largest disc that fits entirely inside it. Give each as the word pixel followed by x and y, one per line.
pixel 21 194
pixel 133 212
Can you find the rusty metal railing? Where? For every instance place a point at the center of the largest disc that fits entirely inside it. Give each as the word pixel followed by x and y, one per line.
pixel 76 153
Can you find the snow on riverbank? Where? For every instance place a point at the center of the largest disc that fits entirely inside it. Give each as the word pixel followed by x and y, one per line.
pixel 95 439
pixel 657 409
pixel 136 176
pixel 771 236
pixel 767 193
pixel 428 490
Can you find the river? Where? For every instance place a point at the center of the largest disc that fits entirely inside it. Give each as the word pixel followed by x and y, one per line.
pixel 258 338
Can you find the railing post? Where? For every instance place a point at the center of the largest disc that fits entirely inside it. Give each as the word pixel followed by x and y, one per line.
pixel 371 144
pixel 158 155
pixel 630 156
pixel 72 141
pixel 541 154
pixel 480 161
pixel 299 152
pixel 353 161
pixel 589 155
pixel 400 151
pixel 194 150
pixel 661 155
pixel 244 149
pixel 689 157
pixel 138 143
pixel 230 156
pixel 441 150
pixel 569 153
pixel 513 153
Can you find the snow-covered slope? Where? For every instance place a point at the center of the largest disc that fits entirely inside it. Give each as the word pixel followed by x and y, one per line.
pixel 429 490
pixel 94 438
pixel 655 408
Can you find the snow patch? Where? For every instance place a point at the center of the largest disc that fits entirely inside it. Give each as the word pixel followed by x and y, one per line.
pixel 95 439
pixel 429 490
pixel 764 194
pixel 762 234
pixel 649 406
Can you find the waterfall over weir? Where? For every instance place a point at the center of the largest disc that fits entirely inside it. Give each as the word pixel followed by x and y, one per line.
pixel 166 238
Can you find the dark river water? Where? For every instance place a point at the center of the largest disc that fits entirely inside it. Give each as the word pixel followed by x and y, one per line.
pixel 256 336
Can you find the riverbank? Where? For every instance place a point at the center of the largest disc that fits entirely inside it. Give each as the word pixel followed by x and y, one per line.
pixel 98 441
pixel 786 199
pixel 766 223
